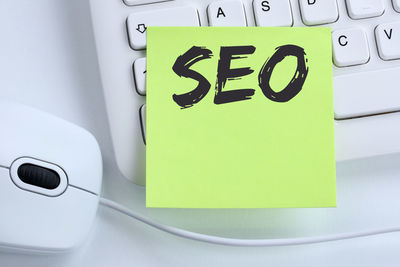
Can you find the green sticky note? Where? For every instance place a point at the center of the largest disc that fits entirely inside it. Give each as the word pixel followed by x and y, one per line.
pixel 239 117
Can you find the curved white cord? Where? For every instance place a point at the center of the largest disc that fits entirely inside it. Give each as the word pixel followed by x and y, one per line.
pixel 243 242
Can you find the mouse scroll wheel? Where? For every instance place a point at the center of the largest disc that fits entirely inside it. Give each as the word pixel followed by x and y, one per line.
pixel 38 176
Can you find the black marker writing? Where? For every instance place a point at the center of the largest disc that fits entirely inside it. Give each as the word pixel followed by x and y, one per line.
pixel 182 68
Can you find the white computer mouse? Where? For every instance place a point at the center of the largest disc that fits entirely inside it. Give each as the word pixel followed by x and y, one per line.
pixel 50 180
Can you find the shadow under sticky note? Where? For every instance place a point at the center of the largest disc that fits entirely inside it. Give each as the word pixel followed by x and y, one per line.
pixel 239 118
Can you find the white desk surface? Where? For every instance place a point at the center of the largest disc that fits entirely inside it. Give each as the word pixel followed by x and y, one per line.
pixel 48 60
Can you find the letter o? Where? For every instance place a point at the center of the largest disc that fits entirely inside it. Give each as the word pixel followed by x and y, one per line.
pixel 296 83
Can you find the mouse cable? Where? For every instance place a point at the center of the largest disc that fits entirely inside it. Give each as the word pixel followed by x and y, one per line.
pixel 242 242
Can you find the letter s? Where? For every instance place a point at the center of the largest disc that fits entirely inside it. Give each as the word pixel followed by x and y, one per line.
pixel 182 68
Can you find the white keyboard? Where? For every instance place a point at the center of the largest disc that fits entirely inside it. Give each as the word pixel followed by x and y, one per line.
pixel 366 63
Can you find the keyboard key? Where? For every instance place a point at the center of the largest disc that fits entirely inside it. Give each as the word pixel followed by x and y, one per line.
pixel 142 2
pixel 388 40
pixel 138 22
pixel 273 13
pixel 316 12
pixel 142 115
pixel 396 5
pixel 359 9
pixel 226 13
pixel 139 70
pixel 350 47
pixel 366 93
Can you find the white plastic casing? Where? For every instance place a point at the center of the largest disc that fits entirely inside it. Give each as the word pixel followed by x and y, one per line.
pixel 45 221
pixel 355 138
